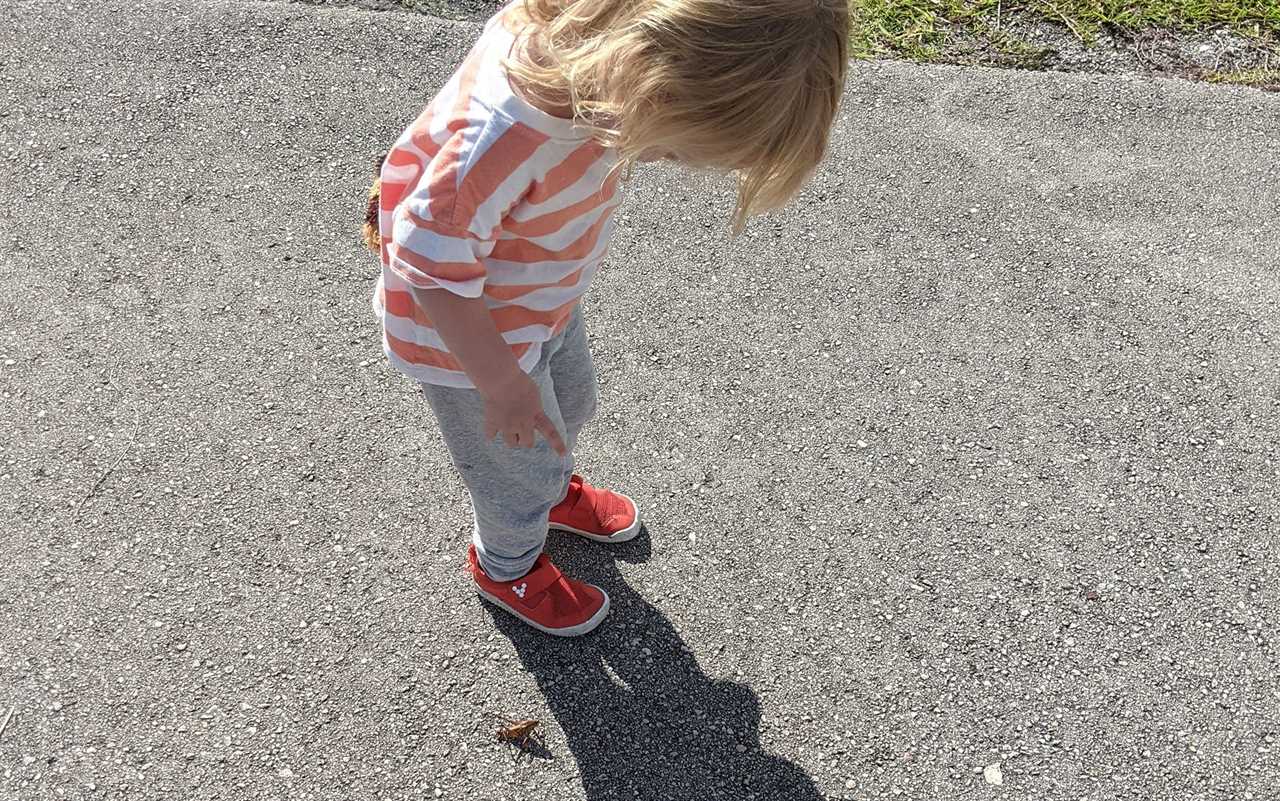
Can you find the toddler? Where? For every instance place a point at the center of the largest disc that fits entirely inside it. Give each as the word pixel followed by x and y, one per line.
pixel 494 211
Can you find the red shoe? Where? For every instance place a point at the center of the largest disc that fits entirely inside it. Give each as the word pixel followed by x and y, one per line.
pixel 545 598
pixel 597 514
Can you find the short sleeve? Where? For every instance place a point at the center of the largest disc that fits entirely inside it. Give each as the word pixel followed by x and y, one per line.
pixel 429 254
pixel 444 229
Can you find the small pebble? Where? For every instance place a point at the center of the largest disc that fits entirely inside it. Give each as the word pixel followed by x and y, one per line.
pixel 992 774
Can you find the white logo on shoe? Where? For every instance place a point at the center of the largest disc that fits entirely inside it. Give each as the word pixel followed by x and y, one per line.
pixel 520 589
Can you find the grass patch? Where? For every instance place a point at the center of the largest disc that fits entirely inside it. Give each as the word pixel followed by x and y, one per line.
pixel 996 31
pixel 1261 78
pixel 1246 17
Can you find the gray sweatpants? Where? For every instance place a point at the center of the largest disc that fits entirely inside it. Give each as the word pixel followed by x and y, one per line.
pixel 513 489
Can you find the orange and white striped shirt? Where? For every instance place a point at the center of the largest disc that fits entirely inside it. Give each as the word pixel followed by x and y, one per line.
pixel 486 195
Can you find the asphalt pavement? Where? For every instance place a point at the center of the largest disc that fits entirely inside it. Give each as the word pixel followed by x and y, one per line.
pixel 959 474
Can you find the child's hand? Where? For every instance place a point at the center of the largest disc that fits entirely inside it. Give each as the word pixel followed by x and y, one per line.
pixel 515 413
pixel 512 402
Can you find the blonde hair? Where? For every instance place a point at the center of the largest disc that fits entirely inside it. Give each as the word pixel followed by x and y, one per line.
pixel 745 85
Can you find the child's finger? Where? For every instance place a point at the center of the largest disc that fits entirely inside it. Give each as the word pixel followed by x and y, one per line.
pixel 515 438
pixel 549 431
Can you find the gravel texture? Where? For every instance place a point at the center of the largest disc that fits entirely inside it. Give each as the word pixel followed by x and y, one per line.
pixel 959 474
pixel 454 10
pixel 1205 54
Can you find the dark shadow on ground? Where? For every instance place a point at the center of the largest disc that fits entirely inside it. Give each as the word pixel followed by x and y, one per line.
pixel 647 726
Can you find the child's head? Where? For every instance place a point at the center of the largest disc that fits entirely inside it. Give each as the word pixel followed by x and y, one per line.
pixel 744 85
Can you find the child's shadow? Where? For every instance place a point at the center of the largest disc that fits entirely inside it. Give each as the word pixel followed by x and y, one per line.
pixel 642 720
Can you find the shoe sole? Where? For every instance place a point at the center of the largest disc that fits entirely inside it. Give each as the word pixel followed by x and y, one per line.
pixel 568 631
pixel 628 533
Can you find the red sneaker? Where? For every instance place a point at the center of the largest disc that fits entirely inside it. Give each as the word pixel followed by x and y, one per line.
pixel 545 598
pixel 597 514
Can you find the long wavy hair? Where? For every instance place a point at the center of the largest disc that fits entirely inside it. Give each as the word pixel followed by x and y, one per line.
pixel 749 86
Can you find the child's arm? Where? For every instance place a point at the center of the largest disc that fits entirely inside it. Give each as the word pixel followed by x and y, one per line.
pixel 512 402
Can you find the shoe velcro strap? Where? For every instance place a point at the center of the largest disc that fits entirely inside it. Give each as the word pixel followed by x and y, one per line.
pixel 540 579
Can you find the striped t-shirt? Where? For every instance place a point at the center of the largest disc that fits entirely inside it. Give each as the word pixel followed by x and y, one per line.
pixel 486 195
